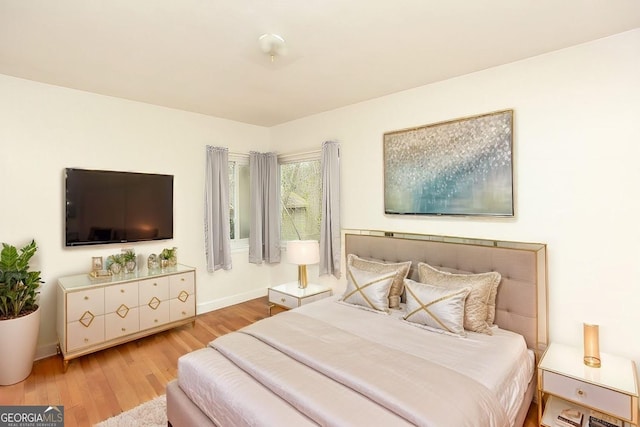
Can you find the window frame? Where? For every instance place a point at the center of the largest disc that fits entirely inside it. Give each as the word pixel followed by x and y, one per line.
pixel 299 158
pixel 243 159
pixel 238 159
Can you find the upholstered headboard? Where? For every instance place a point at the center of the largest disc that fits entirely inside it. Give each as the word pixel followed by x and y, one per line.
pixel 521 303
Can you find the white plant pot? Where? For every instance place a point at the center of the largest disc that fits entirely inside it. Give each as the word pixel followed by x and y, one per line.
pixel 18 342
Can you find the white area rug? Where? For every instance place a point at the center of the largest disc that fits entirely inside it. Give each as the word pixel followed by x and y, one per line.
pixel 150 414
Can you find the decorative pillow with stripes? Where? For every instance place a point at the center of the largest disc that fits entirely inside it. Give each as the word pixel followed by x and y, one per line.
pixel 436 308
pixel 400 268
pixel 368 289
pixel 479 308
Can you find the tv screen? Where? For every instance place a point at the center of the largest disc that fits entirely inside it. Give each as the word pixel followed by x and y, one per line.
pixel 117 207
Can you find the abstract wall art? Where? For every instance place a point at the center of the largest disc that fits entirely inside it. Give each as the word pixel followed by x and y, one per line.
pixel 458 167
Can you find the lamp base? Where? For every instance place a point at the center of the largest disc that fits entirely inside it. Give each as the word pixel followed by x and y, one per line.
pixel 302 276
pixel 594 362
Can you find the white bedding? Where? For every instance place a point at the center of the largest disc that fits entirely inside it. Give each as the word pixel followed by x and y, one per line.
pixel 500 362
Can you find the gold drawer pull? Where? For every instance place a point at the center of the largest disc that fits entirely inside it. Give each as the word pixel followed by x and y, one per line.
pixel 580 392
pixel 155 320
pixel 123 330
pixel 283 300
pixel 184 313
pixel 155 284
pixel 86 297
pixel 86 340
pixel 182 279
pixel 122 291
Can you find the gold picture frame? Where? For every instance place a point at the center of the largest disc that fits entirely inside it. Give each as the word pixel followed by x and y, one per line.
pixel 457 167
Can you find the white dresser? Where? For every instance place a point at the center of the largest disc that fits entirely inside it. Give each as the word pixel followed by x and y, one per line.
pixel 94 314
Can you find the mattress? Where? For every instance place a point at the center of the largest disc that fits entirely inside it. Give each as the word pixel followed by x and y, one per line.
pixel 499 363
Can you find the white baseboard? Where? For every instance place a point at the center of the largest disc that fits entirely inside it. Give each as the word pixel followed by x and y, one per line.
pixel 205 307
pixel 47 350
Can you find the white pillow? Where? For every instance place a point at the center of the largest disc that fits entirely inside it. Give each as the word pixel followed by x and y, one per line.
pixel 436 308
pixel 368 289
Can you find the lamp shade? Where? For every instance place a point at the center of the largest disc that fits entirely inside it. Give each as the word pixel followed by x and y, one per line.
pixel 303 252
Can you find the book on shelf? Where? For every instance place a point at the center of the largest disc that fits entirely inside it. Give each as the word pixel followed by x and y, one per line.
pixel 598 419
pixel 570 417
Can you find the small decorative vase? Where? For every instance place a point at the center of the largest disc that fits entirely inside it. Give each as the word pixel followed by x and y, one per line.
pixel 115 268
pixel 130 267
pixel 152 262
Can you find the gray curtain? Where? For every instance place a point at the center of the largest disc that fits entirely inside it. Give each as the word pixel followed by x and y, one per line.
pixel 330 250
pixel 264 230
pixel 216 210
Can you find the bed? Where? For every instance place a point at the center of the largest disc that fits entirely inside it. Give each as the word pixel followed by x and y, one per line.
pixel 352 360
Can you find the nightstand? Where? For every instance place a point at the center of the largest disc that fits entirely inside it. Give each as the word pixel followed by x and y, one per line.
pixel 289 295
pixel 564 381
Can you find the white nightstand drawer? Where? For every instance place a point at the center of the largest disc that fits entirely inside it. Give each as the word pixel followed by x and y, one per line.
pixel 591 395
pixel 283 300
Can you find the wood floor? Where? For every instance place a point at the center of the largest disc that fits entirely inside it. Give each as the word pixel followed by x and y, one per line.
pixel 104 384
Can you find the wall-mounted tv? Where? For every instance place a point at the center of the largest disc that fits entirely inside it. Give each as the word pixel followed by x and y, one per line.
pixel 117 207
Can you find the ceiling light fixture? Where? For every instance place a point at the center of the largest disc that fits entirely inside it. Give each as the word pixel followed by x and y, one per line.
pixel 273 45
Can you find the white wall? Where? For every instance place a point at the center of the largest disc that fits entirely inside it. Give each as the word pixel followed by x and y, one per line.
pixel 44 129
pixel 577 145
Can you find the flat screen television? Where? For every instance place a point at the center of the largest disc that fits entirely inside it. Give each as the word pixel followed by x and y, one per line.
pixel 117 207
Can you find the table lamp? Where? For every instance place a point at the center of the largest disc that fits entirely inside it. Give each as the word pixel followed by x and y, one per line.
pixel 591 345
pixel 302 253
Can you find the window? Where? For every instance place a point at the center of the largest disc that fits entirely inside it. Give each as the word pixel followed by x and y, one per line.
pixel 301 194
pixel 239 201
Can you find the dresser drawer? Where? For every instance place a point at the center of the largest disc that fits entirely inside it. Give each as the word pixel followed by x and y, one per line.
pixel 151 317
pixel 180 310
pixel 587 394
pixel 179 283
pixel 153 288
pixel 78 303
pixel 118 295
pixel 121 323
pixel 86 333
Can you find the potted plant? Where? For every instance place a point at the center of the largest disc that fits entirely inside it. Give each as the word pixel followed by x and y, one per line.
pixel 19 312
pixel 169 257
pixel 129 260
pixel 115 263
